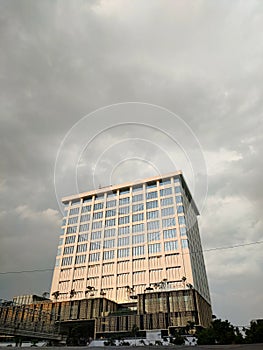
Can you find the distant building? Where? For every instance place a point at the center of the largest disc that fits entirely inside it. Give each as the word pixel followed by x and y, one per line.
pixel 27 299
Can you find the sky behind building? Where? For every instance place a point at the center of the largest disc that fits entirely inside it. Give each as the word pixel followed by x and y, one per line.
pixel 202 60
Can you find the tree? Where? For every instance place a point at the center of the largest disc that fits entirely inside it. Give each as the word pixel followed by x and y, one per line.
pixel 56 294
pixel 254 334
pixel 134 331
pixel 189 327
pixel 220 332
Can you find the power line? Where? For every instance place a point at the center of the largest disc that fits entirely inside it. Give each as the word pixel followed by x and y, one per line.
pixel 194 252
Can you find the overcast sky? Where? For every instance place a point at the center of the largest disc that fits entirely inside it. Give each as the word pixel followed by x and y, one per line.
pixel 199 61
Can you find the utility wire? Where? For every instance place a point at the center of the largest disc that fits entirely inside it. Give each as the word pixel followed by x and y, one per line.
pixel 194 252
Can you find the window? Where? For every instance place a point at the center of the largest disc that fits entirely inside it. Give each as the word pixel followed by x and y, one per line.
pixel 81 248
pixel 111 203
pixel 154 248
pixel 166 191
pixel 59 251
pixel 98 215
pixel 124 220
pixel 123 253
pixel 98 206
pixel 137 188
pixel 57 262
pixel 80 259
pixel 137 207
pixel 179 199
pixel 84 227
pixel 110 232
pixel 180 209
pixel 72 229
pixel 74 211
pixel 152 215
pixel 111 212
pixel 69 250
pixel 70 239
pixel 84 218
pixel 137 239
pixel 152 195
pixel 183 231
pixel 108 255
pixel 83 237
pixel 123 241
pixel 110 222
pixel 151 185
pixel 151 205
pixel 94 257
pixel 124 191
pixel 168 211
pixel 168 222
pixel 184 243
pixel 95 235
pixel 124 230
pixel 60 242
pixel 86 209
pixel 96 224
pixel 66 261
pixel 165 182
pixel 87 199
pixel 153 225
pixel 137 217
pixel 176 180
pixel 169 233
pixel 181 220
pixel 110 243
pixel 172 245
pixel 178 189
pixel 124 210
pixel 75 201
pixel 137 198
pixel 64 222
pixel 95 245
pixel 137 228
pixel 153 236
pixel 139 250
pixel 125 200
pixel 166 201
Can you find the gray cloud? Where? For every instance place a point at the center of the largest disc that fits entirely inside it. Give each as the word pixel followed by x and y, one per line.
pixel 201 59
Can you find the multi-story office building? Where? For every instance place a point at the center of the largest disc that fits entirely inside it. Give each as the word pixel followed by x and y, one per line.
pixel 124 240
pixel 128 255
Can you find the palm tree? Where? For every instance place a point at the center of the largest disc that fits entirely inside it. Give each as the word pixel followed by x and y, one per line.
pixel 183 280
pixel 72 293
pixel 56 294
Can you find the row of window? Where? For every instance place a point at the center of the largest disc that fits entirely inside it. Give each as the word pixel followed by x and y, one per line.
pixel 124 201
pixel 122 210
pixel 123 241
pixel 123 191
pixel 151 225
pixel 152 236
pixel 124 252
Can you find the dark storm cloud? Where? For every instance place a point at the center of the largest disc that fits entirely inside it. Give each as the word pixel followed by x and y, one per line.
pixel 60 60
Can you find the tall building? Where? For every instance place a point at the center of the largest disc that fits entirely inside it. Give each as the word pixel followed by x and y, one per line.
pixel 128 255
pixel 125 240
